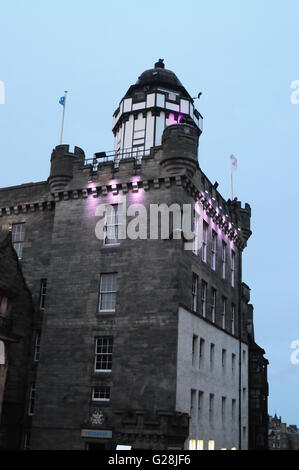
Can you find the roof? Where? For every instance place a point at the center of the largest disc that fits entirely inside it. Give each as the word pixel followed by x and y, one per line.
pixel 156 76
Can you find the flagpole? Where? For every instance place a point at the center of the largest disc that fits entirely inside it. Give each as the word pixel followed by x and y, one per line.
pixel 62 122
pixel 232 183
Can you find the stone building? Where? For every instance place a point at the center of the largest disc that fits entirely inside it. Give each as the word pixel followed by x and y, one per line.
pixel 140 340
pixel 16 311
pixel 282 436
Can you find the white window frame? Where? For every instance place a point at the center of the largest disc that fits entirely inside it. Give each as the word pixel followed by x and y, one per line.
pixel 105 390
pixel 233 318
pixel 214 250
pixel 204 288
pixel 109 225
pixel 102 293
pixel 107 342
pixel 213 305
pixel 18 238
pixel 194 292
pixel 196 223
pixel 205 228
pixel 223 259
pixel 233 268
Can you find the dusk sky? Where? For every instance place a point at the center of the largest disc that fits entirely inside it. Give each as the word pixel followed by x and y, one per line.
pixel 242 56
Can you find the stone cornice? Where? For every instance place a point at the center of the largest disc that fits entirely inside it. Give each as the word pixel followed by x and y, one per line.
pixel 101 190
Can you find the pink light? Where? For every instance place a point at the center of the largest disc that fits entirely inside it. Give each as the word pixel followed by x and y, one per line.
pixel 173 120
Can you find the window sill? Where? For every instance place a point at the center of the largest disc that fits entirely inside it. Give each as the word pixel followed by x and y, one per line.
pixel 105 313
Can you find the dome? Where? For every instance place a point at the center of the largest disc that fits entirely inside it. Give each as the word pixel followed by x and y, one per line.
pixel 159 74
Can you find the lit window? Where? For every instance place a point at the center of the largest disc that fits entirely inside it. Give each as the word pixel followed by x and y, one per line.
pixel 103 354
pixel 203 298
pixel 223 313
pixel 194 292
pixel 42 295
pixel 213 305
pixel 18 237
pixel 112 225
pixel 233 267
pixel 233 318
pixel 37 347
pixel 200 445
pixel 31 403
pixel 214 250
pixel 223 260
pixel 204 241
pixel 211 445
pixel 101 394
pixel 192 444
pixel 108 291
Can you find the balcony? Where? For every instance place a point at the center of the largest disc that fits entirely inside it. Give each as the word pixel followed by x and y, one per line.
pixel 116 156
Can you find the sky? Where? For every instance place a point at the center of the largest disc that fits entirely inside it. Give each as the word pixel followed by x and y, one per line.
pixel 243 57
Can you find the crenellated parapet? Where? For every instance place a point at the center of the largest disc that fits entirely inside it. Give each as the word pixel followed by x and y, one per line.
pixel 62 166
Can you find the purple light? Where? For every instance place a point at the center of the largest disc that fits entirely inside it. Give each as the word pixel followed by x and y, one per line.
pixel 173 120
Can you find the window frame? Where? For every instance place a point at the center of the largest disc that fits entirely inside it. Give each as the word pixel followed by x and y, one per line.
pixel 205 229
pixel 17 239
pixel 214 250
pixel 101 293
pixel 104 354
pixel 116 224
pixel 107 391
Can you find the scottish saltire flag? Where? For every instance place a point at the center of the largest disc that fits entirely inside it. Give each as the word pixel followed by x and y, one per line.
pixel 62 100
pixel 234 163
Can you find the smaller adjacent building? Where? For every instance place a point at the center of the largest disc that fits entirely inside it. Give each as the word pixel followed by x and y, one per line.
pixel 15 342
pixel 281 435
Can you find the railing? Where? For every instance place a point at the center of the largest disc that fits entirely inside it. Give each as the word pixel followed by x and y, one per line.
pixel 5 323
pixel 116 156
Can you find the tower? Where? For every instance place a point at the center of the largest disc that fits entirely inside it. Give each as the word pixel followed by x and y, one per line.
pixel 157 100
pixel 139 341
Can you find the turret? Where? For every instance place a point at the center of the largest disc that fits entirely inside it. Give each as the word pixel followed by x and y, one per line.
pixel 157 100
pixel 180 146
pixel 62 162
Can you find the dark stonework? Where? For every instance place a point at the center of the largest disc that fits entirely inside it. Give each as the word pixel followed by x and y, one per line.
pixel 16 311
pixel 154 278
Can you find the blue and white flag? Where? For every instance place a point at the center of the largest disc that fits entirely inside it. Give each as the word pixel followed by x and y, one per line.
pixel 62 100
